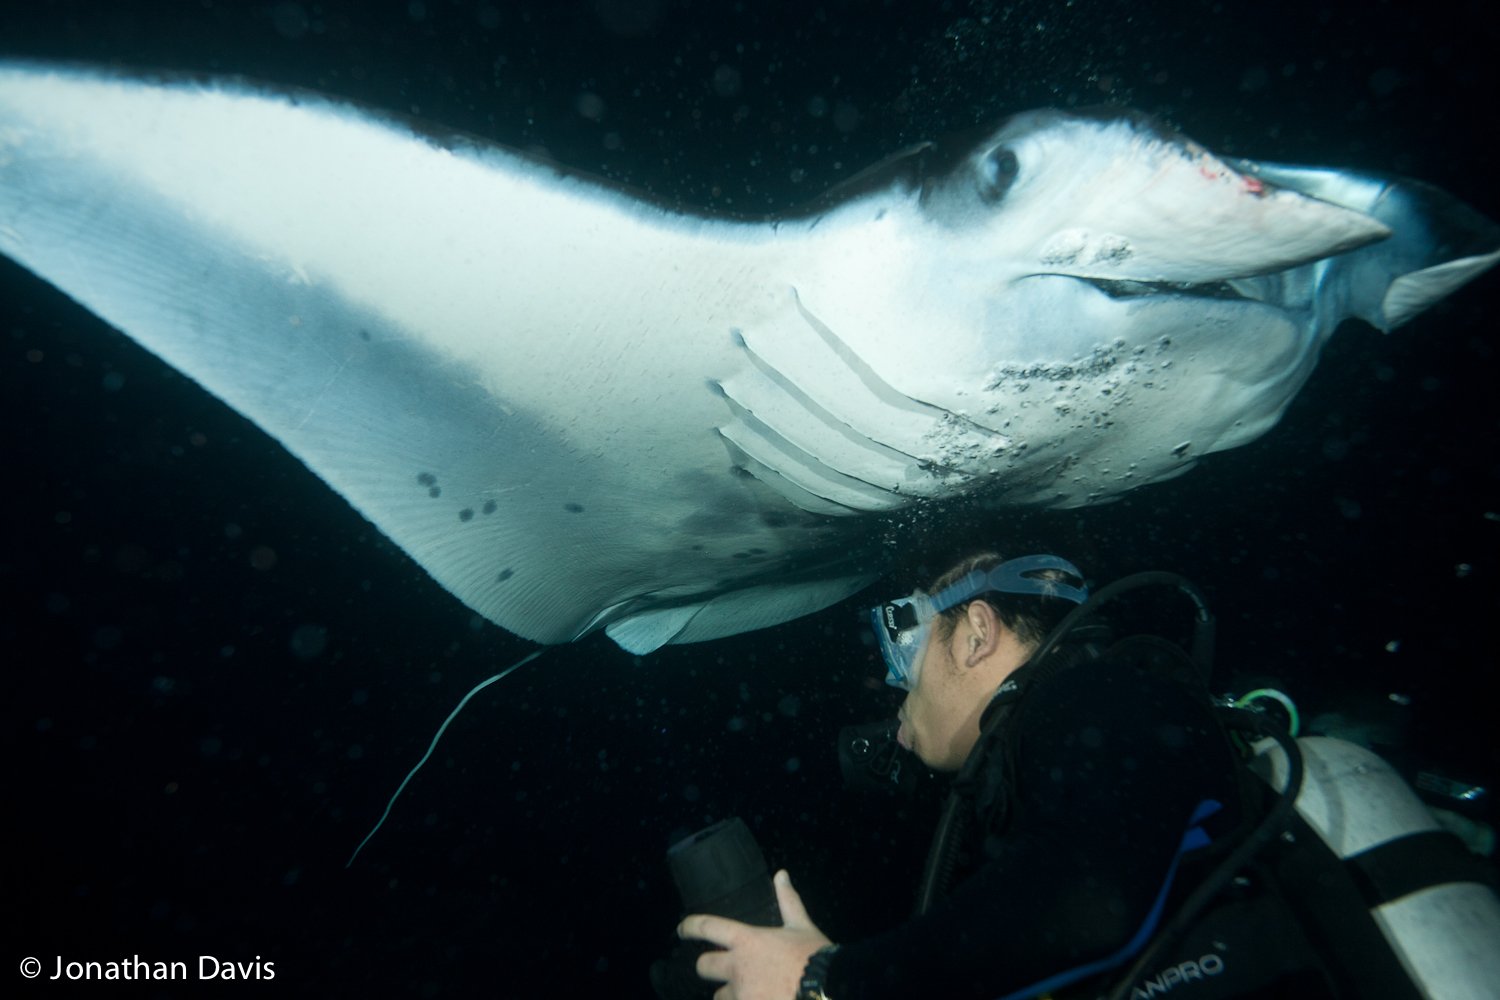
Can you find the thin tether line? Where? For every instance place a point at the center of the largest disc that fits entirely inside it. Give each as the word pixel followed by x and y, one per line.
pixel 441 729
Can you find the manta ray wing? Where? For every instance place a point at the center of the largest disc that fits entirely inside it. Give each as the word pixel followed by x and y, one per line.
pixel 493 362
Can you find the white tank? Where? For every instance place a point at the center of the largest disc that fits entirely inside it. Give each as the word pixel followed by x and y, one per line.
pixel 1447 936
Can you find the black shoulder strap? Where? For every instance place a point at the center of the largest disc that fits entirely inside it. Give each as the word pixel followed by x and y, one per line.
pixel 984 787
pixel 992 785
pixel 978 786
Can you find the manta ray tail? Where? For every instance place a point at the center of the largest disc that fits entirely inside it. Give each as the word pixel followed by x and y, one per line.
pixel 433 746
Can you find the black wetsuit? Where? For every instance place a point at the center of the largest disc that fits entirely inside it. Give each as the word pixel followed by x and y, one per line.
pixel 1110 764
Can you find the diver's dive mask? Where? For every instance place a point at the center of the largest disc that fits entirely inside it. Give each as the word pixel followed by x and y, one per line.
pixel 904 625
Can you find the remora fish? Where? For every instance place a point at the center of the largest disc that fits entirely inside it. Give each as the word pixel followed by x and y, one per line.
pixel 578 409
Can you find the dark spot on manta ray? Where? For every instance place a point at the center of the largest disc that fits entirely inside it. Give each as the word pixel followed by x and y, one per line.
pixel 505 574
pixel 364 335
pixel 740 555
pixel 573 508
pixel 466 514
pixel 426 478
pixel 489 506
pixel 436 491
pixel 774 519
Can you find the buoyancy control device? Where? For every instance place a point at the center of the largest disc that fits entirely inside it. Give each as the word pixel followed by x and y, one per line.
pixel 1345 888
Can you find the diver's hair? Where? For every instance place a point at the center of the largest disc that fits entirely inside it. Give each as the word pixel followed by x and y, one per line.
pixel 1029 616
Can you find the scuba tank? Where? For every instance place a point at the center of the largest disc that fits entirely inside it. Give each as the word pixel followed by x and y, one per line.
pixel 1360 896
pixel 1432 901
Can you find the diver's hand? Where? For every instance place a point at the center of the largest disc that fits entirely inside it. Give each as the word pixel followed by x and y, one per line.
pixel 761 963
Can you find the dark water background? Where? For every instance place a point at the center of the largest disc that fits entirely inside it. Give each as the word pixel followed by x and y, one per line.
pixel 193 745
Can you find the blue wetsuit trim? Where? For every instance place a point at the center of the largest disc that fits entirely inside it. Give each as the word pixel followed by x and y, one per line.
pixel 1193 838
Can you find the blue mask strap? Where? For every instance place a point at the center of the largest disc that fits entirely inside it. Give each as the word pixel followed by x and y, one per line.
pixel 1009 578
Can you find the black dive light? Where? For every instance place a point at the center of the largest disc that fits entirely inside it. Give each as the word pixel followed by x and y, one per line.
pixel 721 871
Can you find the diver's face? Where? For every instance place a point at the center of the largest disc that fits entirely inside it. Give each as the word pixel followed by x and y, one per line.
pixel 940 717
pixel 958 679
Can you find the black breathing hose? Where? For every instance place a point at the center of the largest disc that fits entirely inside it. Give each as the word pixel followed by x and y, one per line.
pixel 943 857
pixel 1203 633
pixel 1268 829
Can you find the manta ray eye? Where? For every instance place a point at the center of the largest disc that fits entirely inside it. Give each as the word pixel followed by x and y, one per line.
pixel 998 170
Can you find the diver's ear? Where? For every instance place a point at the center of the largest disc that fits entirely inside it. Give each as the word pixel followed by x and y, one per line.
pixel 984 636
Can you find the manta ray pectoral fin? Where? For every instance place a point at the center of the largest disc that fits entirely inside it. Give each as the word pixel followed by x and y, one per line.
pixel 107 189
pixel 391 311
pixel 1437 243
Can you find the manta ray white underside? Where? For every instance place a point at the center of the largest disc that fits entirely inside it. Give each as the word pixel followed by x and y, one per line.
pixel 578 409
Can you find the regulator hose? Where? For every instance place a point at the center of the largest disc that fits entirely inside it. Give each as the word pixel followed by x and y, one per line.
pixel 1267 830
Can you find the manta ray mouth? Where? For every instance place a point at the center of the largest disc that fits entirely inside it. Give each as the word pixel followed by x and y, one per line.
pixel 1125 289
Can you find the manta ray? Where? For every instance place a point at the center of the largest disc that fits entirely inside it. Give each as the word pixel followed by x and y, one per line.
pixel 581 408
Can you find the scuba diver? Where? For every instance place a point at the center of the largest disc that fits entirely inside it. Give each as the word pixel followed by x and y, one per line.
pixel 1105 834
pixel 1077 833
